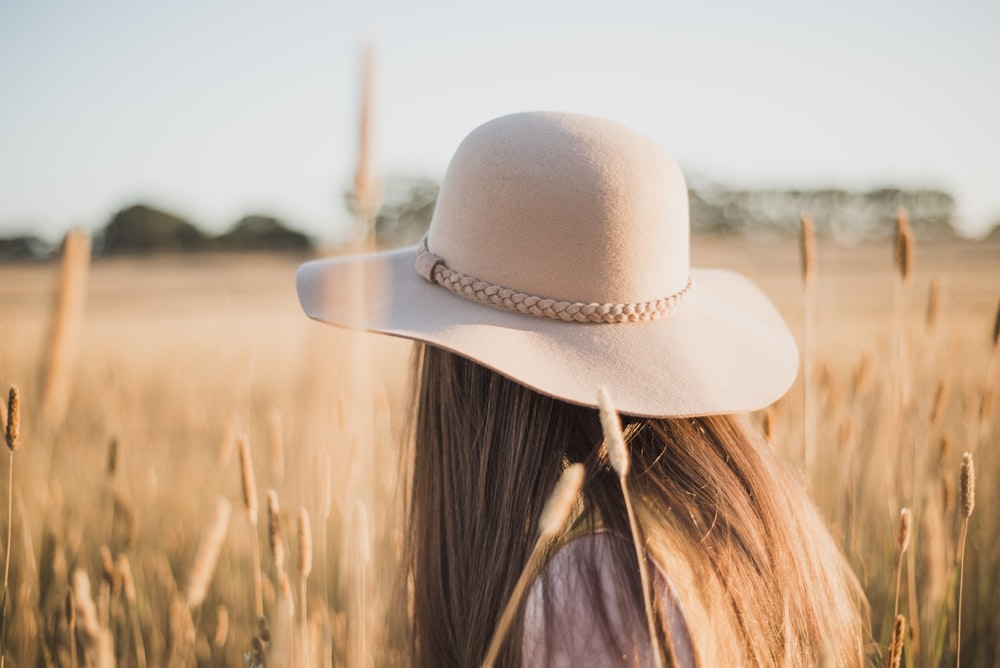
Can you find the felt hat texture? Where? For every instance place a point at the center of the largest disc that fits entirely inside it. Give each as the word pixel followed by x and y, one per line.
pixel 558 256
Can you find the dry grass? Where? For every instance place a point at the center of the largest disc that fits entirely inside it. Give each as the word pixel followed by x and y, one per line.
pixel 178 355
pixel 61 351
pixel 621 462
pixel 807 250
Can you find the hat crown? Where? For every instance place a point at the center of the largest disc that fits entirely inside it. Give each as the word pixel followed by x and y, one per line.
pixel 565 206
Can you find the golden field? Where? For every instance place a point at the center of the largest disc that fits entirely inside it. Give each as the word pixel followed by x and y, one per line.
pixel 174 358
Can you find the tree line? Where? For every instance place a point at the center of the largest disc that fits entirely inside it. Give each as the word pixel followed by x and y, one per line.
pixel 842 215
pixel 141 229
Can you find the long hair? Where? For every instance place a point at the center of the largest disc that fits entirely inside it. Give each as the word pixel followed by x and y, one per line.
pixel 757 575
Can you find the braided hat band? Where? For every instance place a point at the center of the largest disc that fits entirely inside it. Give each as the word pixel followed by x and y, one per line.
pixel 434 270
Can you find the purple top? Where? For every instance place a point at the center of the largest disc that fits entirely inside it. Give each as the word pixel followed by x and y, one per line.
pixel 561 596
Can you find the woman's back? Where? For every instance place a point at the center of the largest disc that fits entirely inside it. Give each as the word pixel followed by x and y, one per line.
pixel 557 262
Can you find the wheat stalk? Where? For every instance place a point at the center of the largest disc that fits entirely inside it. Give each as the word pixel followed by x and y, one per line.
pixel 968 485
pixel 207 555
pixel 808 250
pixel 904 269
pixel 560 503
pixel 769 419
pixel 325 508
pixel 97 642
pixel 12 434
pixel 305 543
pixel 111 464
pixel 904 245
pixel 968 503
pixel 107 585
pixel 902 543
pixel 221 626
pixel 940 400
pixel 305 568
pixel 903 260
pixel 70 612
pixel 64 326
pixel 360 557
pixel 620 460
pixel 274 534
pixel 554 516
pixel 110 487
pixel 259 644
pixel 933 304
pixel 12 430
pixel 282 646
pixel 367 193
pixel 124 568
pixel 249 486
pixel 895 655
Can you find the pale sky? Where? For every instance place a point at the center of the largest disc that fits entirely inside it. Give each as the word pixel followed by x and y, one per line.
pixel 218 109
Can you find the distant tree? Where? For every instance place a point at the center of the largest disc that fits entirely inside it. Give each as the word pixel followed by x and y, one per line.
pixel 263 233
pixel 406 211
pixel 707 210
pixel 844 215
pixel 144 229
pixel 26 247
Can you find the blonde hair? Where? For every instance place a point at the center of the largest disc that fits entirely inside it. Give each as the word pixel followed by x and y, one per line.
pixel 759 578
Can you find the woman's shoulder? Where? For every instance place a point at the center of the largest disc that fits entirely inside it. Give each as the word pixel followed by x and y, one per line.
pixel 583 611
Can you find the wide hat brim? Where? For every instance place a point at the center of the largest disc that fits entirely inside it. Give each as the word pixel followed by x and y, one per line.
pixel 725 349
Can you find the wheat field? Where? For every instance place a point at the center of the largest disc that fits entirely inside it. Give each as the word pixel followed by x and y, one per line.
pixel 131 540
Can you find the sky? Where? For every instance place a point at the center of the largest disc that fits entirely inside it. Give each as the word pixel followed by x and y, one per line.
pixel 218 109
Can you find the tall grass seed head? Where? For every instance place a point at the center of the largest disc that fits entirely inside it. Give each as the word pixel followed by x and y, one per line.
pixel 968 485
pixel 808 250
pixel 13 430
pixel 561 501
pixel 904 244
pixel 613 437
pixel 903 536
pixel 305 543
pixel 274 530
pixel 896 644
pixel 247 479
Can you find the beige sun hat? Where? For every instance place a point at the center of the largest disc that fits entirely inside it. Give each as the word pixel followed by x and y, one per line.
pixel 558 256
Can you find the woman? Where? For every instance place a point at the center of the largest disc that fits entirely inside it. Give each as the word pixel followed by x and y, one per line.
pixel 556 263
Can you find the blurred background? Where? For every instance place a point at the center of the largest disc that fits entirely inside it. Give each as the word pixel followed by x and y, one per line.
pixel 200 151
pixel 236 116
